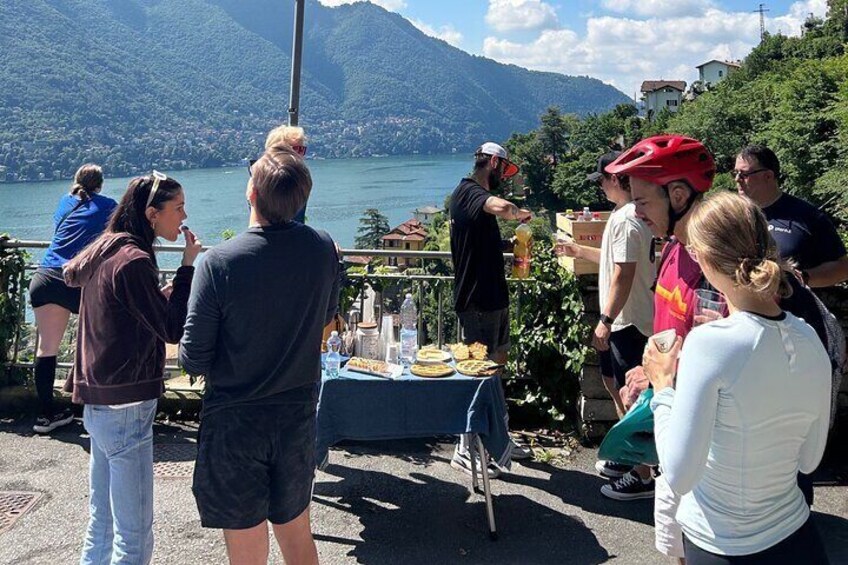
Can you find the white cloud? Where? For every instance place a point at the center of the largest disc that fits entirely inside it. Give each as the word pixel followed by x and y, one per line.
pixel 790 24
pixel 510 15
pixel 625 51
pixel 446 33
pixel 657 8
pixel 390 5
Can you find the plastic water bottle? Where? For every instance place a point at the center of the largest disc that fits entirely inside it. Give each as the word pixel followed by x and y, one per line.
pixel 408 330
pixel 334 356
pixel 587 215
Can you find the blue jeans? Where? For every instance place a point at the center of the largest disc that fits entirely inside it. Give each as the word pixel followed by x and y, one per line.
pixel 120 528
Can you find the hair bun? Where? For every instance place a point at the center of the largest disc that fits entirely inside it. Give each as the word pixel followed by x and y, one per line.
pixel 761 275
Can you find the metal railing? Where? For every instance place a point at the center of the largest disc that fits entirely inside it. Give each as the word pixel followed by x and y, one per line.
pixel 419 283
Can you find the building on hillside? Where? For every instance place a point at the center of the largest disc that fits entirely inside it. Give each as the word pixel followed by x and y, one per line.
pixel 409 236
pixel 356 260
pixel 713 72
pixel 425 214
pixel 659 94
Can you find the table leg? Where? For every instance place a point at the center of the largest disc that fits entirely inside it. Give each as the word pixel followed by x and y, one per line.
pixel 487 490
pixel 472 453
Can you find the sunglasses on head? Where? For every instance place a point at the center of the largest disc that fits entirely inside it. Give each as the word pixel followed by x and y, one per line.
pixel 156 177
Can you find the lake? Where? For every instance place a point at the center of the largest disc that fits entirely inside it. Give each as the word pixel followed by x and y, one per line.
pixel 215 201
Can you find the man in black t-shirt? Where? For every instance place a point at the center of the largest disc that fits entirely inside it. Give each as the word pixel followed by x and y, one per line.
pixel 481 299
pixel 803 233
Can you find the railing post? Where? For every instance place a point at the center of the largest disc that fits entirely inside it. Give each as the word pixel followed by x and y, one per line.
pixel 439 314
pixel 420 312
pixel 22 314
pixel 518 303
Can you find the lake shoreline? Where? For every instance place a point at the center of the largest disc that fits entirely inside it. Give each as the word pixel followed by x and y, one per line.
pixel 243 163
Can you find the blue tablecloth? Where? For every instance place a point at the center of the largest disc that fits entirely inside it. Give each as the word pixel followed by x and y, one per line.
pixel 360 407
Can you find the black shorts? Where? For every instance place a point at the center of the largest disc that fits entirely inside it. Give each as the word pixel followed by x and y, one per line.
pixel 626 348
pixel 48 287
pixel 491 328
pixel 803 546
pixel 255 463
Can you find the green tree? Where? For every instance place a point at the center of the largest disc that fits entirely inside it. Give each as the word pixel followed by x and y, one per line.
pixel 372 226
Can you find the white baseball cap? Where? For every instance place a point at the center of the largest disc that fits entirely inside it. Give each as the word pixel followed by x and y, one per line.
pixel 491 148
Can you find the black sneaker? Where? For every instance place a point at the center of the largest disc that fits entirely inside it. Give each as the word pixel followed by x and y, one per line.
pixel 45 425
pixel 629 487
pixel 611 469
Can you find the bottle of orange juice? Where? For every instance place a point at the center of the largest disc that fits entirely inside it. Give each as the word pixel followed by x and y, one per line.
pixel 521 262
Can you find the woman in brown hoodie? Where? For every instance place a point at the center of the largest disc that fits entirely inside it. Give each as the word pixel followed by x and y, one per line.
pixel 125 320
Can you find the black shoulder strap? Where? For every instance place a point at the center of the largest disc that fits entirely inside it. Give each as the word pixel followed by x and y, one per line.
pixel 666 249
pixel 69 212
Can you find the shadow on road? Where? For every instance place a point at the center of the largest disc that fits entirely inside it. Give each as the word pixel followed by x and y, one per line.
pixel 583 489
pixel 423 519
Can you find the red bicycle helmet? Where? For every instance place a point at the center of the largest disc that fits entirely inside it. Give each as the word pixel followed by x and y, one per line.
pixel 665 158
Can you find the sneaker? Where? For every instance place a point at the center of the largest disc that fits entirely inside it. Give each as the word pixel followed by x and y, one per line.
pixel 45 425
pixel 462 461
pixel 611 469
pixel 519 451
pixel 629 487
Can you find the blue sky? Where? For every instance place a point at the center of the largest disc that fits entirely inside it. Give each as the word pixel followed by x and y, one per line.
pixel 621 42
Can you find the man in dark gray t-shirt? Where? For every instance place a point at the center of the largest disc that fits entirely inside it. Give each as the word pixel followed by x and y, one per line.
pixel 257 310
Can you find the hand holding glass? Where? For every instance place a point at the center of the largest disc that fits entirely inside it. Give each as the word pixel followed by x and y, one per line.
pixel 565 246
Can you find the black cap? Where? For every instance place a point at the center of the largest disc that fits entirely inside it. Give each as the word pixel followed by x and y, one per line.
pixel 603 161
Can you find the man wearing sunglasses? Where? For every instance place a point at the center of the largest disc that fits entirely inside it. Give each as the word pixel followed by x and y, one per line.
pixel 481 298
pixel 803 233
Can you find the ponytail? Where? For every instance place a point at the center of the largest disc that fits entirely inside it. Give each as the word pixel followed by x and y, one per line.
pixel 87 181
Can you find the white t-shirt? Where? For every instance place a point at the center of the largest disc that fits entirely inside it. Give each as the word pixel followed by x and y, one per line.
pixel 627 239
pixel 751 408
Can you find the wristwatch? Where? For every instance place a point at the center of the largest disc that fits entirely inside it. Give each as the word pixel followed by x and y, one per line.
pixel 606 320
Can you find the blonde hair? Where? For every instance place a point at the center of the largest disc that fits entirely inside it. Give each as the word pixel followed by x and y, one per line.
pixel 731 234
pixel 287 135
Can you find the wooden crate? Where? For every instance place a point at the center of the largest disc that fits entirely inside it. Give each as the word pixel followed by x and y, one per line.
pixel 583 233
pixel 578 266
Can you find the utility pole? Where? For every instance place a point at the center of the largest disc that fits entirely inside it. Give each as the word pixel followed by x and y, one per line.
pixel 762 11
pixel 297 58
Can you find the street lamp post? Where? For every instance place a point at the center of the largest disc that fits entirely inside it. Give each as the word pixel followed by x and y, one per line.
pixel 297 56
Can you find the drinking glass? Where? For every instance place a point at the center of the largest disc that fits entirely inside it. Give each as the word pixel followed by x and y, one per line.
pixel 709 305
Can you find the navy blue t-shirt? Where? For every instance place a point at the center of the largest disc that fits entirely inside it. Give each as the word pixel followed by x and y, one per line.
pixel 803 232
pixel 79 229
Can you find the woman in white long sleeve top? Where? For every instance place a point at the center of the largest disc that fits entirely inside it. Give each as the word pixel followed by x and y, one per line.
pixel 751 403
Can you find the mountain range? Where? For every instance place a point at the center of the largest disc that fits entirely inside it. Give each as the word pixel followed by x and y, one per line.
pixel 134 84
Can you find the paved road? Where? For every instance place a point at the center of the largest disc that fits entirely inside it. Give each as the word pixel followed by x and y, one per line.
pixel 388 502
